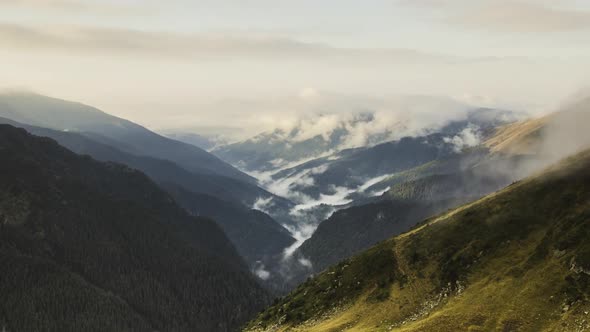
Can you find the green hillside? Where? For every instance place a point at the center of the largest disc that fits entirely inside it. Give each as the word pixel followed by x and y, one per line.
pixel 517 260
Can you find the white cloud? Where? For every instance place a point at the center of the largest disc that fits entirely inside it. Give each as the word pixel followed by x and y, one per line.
pixel 339 196
pixel 302 232
pixel 120 41
pixel 261 272
pixel 263 204
pixel 468 137
pixel 365 120
pixel 378 193
pixel 371 182
pixel 284 186
pixel 305 262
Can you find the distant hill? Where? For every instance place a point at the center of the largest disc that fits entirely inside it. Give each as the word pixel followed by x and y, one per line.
pixel 352 171
pixel 203 142
pixel 327 134
pixel 91 246
pixel 212 196
pixel 517 260
pixel 127 136
pixel 408 196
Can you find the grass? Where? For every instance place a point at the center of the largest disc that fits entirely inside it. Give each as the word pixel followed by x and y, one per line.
pixel 518 260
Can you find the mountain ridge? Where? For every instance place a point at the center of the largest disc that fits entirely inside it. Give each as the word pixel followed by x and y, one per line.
pixel 515 260
pixel 88 245
pixel 38 110
pixel 171 176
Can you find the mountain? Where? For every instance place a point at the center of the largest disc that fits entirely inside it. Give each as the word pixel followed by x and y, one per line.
pixel 255 234
pixel 410 197
pixel 359 175
pixel 160 169
pixel 356 124
pixel 212 196
pixel 517 260
pixel 202 142
pixel 510 153
pixel 513 150
pixel 279 148
pixel 91 246
pixel 125 135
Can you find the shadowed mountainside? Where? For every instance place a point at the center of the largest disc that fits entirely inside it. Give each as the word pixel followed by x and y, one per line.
pixel 216 196
pixel 98 246
pixel 125 135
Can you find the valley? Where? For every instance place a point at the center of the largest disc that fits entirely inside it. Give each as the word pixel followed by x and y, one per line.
pixel 294 166
pixel 361 239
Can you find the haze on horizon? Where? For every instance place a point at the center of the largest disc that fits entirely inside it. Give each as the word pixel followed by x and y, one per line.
pixel 249 64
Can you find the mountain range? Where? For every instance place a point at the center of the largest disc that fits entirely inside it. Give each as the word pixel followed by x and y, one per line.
pixel 52 113
pixel 114 223
pixel 394 203
pixel 516 260
pixel 433 187
pixel 226 199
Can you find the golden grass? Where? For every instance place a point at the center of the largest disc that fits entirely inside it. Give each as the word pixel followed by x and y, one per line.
pixel 520 283
pixel 517 138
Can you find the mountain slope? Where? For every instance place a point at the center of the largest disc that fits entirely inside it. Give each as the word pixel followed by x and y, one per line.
pixel 410 197
pixel 312 135
pixel 552 136
pixel 98 246
pixel 350 172
pixel 203 142
pixel 212 198
pixel 517 260
pixel 125 135
pixel 255 234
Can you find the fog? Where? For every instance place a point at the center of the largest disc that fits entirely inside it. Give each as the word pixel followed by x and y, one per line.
pixel 560 134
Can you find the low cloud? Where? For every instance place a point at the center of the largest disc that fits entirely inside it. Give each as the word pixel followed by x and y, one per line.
pixel 285 186
pixel 302 232
pixel 371 182
pixel 337 196
pixel 261 272
pixel 263 204
pixel 467 138
pixel 305 262
pixel 567 132
pixel 360 121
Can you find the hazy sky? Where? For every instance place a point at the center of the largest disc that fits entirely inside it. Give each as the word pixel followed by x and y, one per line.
pixel 180 63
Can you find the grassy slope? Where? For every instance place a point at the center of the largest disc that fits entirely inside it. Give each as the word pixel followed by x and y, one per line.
pixel 518 260
pixel 518 138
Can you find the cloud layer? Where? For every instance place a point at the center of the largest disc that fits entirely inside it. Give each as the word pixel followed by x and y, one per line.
pixel 113 41
pixel 522 16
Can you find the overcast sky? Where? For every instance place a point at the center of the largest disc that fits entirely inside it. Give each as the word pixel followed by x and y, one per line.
pixel 181 63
